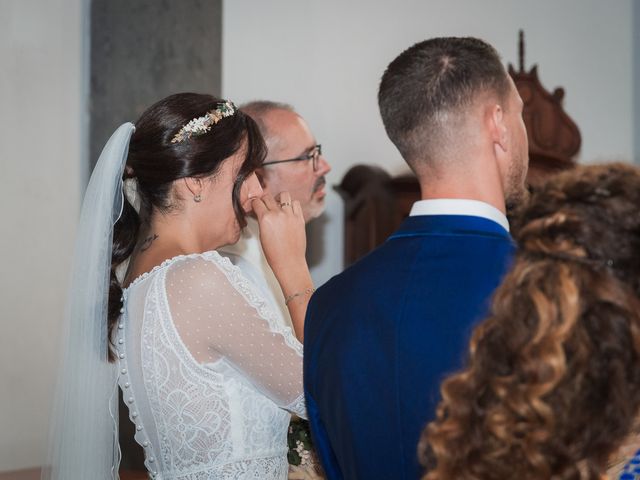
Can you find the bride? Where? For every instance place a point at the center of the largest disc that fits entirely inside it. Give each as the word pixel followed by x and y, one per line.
pixel 208 375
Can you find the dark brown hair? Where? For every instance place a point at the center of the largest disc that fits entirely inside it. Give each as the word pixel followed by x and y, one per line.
pixel 155 163
pixel 552 384
pixel 431 78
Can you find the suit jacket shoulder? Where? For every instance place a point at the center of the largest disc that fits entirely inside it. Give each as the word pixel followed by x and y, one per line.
pixel 380 337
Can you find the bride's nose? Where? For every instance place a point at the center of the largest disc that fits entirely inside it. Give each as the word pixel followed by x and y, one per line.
pixel 253 190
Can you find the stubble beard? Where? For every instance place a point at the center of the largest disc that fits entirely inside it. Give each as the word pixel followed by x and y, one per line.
pixel 517 192
pixel 315 207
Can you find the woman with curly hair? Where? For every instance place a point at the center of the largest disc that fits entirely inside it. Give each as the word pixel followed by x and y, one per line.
pixel 552 384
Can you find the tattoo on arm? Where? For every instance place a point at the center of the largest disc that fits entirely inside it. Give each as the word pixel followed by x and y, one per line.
pixel 146 243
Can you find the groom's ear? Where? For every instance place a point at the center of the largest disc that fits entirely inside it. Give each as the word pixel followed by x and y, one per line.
pixel 497 127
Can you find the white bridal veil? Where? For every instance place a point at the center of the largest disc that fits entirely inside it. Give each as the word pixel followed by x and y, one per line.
pixel 83 442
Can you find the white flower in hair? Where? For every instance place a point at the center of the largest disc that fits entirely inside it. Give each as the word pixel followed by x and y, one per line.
pixel 201 125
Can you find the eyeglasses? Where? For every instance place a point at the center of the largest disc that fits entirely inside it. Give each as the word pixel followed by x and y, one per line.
pixel 313 155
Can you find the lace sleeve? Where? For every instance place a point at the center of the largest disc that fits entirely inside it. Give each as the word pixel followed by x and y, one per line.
pixel 219 314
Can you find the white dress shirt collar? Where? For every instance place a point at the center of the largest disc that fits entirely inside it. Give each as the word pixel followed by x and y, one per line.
pixel 459 206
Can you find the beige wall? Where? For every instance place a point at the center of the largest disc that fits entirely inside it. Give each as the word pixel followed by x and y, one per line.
pixel 326 58
pixel 40 149
pixel 636 79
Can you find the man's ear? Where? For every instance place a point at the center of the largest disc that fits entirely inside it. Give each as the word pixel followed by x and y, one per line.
pixel 497 126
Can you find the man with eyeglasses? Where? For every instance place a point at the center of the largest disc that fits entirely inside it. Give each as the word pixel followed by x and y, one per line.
pixel 294 164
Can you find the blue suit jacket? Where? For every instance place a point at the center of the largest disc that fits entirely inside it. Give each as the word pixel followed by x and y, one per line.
pixel 380 337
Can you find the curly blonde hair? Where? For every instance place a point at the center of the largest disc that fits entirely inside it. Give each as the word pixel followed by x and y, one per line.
pixel 552 383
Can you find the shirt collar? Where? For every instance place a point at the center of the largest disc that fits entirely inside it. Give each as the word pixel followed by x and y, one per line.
pixel 459 206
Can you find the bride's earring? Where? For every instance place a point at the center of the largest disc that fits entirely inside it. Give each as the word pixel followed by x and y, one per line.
pixel 194 185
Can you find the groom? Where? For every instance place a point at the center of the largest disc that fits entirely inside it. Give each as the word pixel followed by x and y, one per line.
pixel 380 336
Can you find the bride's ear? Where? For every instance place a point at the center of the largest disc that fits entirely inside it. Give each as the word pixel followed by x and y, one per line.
pixel 194 185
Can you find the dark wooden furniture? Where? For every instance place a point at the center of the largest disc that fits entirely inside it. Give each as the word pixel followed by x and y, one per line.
pixel 27 474
pixel 554 139
pixel 376 203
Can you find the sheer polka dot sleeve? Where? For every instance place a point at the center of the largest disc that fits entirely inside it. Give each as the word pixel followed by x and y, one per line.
pixel 219 314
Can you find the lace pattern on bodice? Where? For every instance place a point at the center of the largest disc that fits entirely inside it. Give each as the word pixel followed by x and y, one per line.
pixel 204 405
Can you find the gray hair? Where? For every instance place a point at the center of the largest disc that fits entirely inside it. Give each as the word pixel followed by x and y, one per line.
pixel 259 109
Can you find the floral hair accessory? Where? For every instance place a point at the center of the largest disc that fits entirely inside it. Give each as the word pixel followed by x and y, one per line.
pixel 201 125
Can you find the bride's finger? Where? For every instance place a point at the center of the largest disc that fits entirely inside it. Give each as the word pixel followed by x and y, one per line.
pixel 270 202
pixel 259 207
pixel 297 209
pixel 284 199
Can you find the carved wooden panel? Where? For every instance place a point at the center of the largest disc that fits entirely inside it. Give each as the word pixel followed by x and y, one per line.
pixel 554 138
pixel 375 205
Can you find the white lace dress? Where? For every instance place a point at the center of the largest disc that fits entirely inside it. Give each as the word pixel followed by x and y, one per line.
pixel 207 373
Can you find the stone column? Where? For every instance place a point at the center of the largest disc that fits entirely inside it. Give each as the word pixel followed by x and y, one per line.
pixel 143 50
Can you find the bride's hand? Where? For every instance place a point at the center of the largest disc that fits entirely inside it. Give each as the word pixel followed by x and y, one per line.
pixel 284 243
pixel 282 231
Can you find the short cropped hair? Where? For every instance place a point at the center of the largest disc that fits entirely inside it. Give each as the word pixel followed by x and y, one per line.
pixel 429 82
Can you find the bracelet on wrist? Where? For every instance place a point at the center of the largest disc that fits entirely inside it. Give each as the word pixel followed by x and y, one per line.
pixel 307 291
